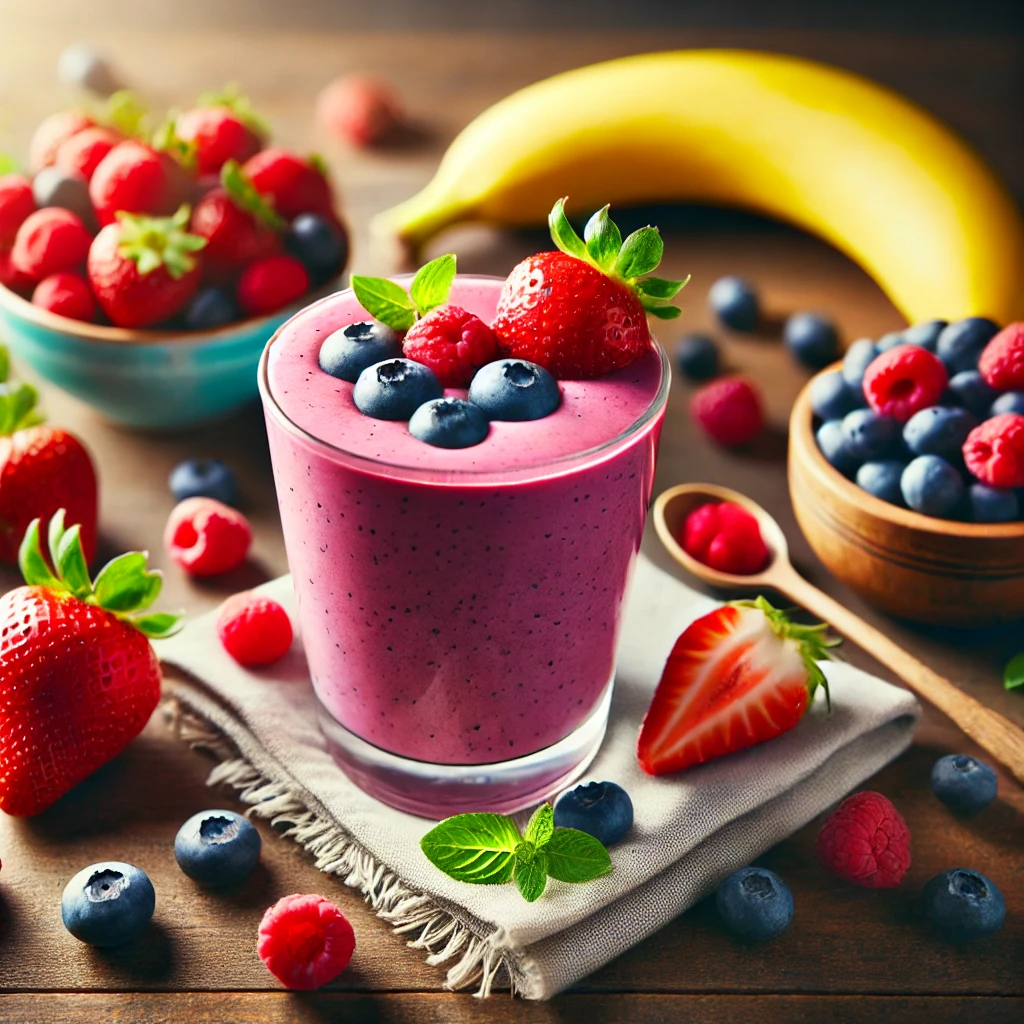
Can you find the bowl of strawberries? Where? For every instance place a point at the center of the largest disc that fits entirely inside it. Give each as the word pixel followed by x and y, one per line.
pixel 144 270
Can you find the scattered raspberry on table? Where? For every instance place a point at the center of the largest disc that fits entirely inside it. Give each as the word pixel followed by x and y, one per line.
pixel 254 629
pixel 305 941
pixel 866 841
pixel 206 537
pixel 729 411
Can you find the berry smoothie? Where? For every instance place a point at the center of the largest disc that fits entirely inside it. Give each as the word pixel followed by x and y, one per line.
pixel 458 606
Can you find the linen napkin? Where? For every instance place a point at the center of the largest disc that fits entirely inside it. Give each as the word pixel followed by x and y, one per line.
pixel 690 830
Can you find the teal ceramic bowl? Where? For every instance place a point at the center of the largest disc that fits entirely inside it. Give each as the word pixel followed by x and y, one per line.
pixel 158 380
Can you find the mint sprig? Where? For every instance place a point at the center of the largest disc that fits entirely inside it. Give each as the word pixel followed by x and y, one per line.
pixel 486 849
pixel 1013 674
pixel 391 304
pixel 124 585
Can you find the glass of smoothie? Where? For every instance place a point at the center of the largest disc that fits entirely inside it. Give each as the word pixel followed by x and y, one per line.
pixel 459 608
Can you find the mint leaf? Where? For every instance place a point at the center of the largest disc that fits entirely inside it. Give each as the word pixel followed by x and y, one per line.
pixel 541 826
pixel 157 626
pixel 531 871
pixel 385 301
pixel 1013 675
pixel 5 364
pixel 124 585
pixel 475 848
pixel 575 856
pixel 31 562
pixel 640 253
pixel 659 288
pixel 563 235
pixel 603 239
pixel 433 281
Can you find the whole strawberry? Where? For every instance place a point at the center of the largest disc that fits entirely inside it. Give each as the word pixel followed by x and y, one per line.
pixel 292 184
pixel 144 270
pixel 135 178
pixel 16 204
pixel 222 127
pixel 582 312
pixel 51 133
pixel 78 676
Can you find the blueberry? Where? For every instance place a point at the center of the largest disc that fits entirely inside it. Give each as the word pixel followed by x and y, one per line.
pixel 990 505
pixel 868 434
pixel 70 191
pixel 108 904
pixel 831 398
pixel 963 784
pixel 891 340
pixel 217 847
pixel 1011 401
pixel 960 343
pixel 697 357
pixel 859 356
pixel 514 389
pixel 601 809
pixel 832 443
pixel 812 339
pixel 925 334
pixel 969 389
pixel 449 423
pixel 963 905
pixel 210 308
pixel 734 302
pixel 755 904
pixel 932 486
pixel 203 478
pixel 394 389
pixel 882 479
pixel 938 430
pixel 350 350
pixel 317 244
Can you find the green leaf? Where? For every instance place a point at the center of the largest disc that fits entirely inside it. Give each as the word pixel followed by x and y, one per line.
pixel 246 196
pixel 69 560
pixel 659 288
pixel 5 364
pixel 8 165
pixel 575 856
pixel 232 98
pixel 1013 676
pixel 167 140
pixel 531 871
pixel 664 312
pixel 475 848
pixel 541 826
pixel 124 585
pixel 563 235
pixel 640 253
pixel 126 113
pixel 31 562
pixel 433 281
pixel 603 239
pixel 154 242
pixel 157 626
pixel 17 407
pixel 385 301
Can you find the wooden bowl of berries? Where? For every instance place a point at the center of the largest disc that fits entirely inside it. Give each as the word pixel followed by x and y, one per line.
pixel 906 471
pixel 144 271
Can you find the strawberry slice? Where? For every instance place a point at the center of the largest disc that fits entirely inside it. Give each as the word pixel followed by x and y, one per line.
pixel 739 676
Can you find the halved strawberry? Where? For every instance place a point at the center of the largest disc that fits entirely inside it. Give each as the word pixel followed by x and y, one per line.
pixel 739 676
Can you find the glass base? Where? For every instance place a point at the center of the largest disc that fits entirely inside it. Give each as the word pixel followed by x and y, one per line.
pixel 441 790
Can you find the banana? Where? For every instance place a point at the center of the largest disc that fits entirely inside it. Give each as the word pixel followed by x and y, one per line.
pixel 826 150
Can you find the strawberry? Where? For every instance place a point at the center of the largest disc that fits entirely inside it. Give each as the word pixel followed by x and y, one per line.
pixel 51 133
pixel 292 184
pixel 83 152
pixel 66 294
pixel 50 240
pixel 580 312
pixel 16 205
pixel 11 277
pixel 217 135
pixel 42 469
pixel 739 676
pixel 271 284
pixel 78 675
pixel 358 109
pixel 135 178
pixel 143 270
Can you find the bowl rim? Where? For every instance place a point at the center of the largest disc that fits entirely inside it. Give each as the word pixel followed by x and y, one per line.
pixel 801 429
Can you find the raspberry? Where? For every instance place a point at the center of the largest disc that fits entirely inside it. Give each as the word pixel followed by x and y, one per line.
pixel 11 277
pixel 16 204
pixel 904 380
pixel 994 451
pixel 453 343
pixel 866 841
pixel 358 109
pixel 1002 361
pixel 726 537
pixel 728 410
pixel 66 294
pixel 48 241
pixel 271 284
pixel 305 941
pixel 206 537
pixel 254 630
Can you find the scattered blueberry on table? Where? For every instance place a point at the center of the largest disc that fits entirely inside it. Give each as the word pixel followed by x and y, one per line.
pixel 755 904
pixel 217 848
pixel 203 478
pixel 734 301
pixel 963 905
pixel 812 338
pixel 964 784
pixel 108 904
pixel 601 809
pixel 697 357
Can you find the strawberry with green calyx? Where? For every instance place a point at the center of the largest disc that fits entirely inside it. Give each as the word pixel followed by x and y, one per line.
pixel 143 270
pixel 232 98
pixel 738 676
pixel 293 184
pixel 125 113
pixel 581 312
pixel 78 676
pixel 167 140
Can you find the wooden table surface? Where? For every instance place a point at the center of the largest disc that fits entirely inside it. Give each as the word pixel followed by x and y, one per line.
pixel 850 955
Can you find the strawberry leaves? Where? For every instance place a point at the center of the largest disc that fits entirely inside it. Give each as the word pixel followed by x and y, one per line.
pixel 155 242
pixel 1013 674
pixel 391 304
pixel 245 196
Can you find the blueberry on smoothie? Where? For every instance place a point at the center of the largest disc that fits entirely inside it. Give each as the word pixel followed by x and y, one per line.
pixel 964 784
pixel 938 430
pixel 812 339
pixel 601 809
pixel 930 485
pixel 755 904
pixel 962 905
pixel 869 435
pixel 350 350
pixel 108 904
pixel 970 390
pixel 514 389
pixel 217 847
pixel 449 423
pixel 394 389
pixel 882 479
pixel 961 342
pixel 991 505
pixel 925 334
pixel 734 302
pixel 831 396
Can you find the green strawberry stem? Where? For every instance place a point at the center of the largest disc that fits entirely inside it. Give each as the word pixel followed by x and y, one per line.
pixel 238 103
pixel 125 113
pixel 602 246
pixel 17 401
pixel 246 197
pixel 167 140
pixel 391 304
pixel 154 242
pixel 124 586
pixel 8 165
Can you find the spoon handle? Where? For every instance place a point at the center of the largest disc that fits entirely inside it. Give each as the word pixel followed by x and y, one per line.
pixel 990 730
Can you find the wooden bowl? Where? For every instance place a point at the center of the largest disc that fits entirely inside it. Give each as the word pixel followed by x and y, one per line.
pixel 910 565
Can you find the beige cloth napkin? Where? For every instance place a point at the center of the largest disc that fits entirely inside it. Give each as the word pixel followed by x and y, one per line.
pixel 690 831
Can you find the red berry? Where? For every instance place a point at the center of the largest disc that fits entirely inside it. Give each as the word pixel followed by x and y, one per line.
pixel 994 451
pixel 1002 361
pixel 453 343
pixel 82 153
pixel 726 537
pixel 903 381
pixel 305 941
pixel 206 537
pixel 51 133
pixel 48 241
pixel 358 109
pixel 293 185
pixel 254 629
pixel 234 237
pixel 16 203
pixel 66 294
pixel 728 410
pixel 11 277
pixel 271 284
pixel 866 841
pixel 135 178
pixel 219 135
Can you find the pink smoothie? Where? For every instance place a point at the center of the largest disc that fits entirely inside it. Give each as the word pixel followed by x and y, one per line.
pixel 458 606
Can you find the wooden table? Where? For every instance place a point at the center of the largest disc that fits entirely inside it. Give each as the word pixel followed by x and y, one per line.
pixel 850 955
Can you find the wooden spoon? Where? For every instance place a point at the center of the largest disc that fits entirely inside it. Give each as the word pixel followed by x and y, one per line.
pixel 990 730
